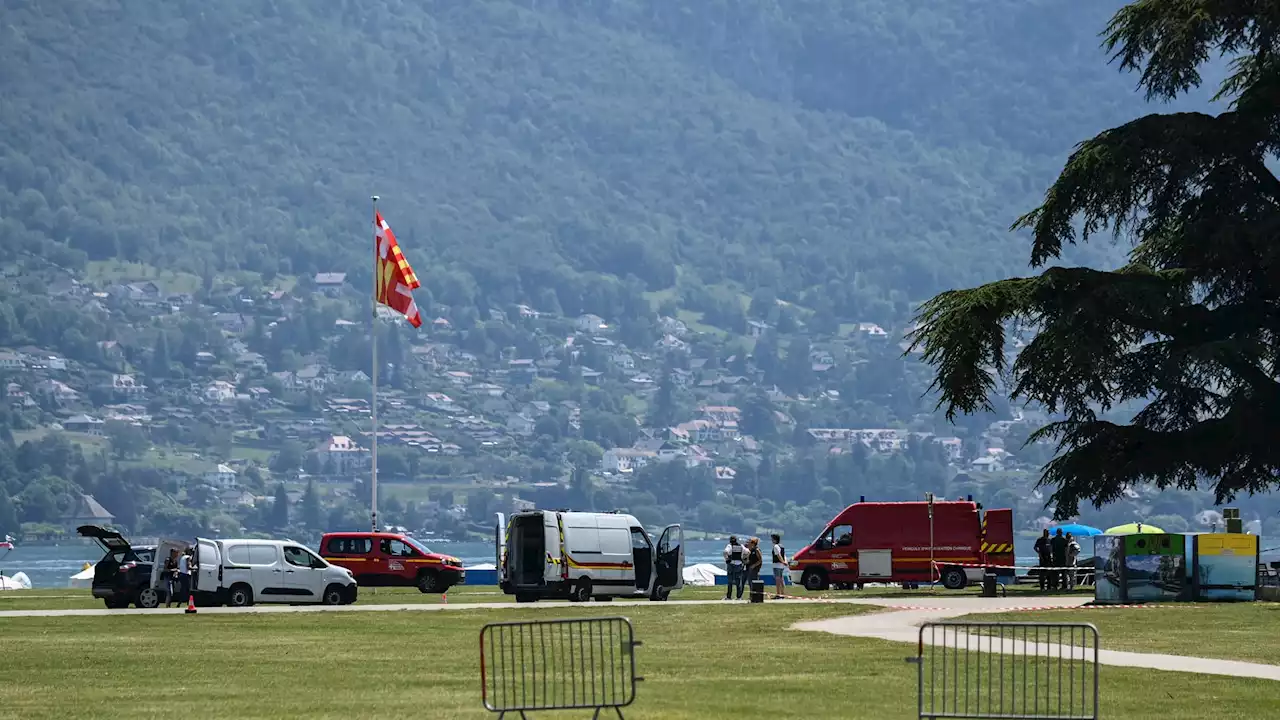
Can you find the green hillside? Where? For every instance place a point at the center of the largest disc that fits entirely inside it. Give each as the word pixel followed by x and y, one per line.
pixel 868 154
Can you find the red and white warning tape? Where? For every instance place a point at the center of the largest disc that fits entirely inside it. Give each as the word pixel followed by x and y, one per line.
pixel 1014 567
pixel 1016 608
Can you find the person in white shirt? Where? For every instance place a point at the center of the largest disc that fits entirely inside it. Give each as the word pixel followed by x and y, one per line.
pixel 735 557
pixel 184 575
pixel 779 562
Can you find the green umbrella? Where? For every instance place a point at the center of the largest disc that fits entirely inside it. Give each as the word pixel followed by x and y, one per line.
pixel 1135 529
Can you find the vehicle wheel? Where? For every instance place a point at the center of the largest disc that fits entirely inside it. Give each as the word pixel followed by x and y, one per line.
pixel 526 598
pixel 428 582
pixel 113 604
pixel 954 578
pixel 814 580
pixel 240 595
pixel 581 592
pixel 148 598
pixel 660 595
pixel 333 595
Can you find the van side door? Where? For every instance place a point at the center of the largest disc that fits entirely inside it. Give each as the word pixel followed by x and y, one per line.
pixel 835 548
pixel 642 558
pixel 267 572
pixel 350 552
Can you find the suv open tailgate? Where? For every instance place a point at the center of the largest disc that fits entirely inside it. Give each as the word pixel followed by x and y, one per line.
pixel 109 540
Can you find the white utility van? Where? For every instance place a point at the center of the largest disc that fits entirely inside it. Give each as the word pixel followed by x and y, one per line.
pixel 240 573
pixel 582 555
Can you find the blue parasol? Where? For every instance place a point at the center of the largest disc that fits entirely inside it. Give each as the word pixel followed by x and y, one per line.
pixel 1076 529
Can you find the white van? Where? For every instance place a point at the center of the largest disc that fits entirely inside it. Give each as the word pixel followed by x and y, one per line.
pixel 581 555
pixel 240 573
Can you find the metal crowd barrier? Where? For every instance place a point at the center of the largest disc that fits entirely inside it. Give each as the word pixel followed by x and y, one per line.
pixel 558 665
pixel 1040 671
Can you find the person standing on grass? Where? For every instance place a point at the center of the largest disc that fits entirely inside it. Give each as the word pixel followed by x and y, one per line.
pixel 755 559
pixel 779 561
pixel 1073 555
pixel 1058 546
pixel 735 557
pixel 1044 557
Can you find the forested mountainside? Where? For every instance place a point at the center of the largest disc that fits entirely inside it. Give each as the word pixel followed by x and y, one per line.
pixel 648 231
pixel 852 157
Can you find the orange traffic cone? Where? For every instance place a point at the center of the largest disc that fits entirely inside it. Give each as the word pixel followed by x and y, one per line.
pixel 191 604
pixel 444 597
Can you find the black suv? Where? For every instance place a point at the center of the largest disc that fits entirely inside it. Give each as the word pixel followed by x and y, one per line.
pixel 123 575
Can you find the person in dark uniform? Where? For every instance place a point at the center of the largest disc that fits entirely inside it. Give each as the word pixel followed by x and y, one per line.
pixel 735 564
pixel 1044 555
pixel 1058 548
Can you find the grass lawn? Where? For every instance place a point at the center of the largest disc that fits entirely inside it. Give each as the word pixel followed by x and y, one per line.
pixel 1232 631
pixel 87 442
pixel 106 272
pixel 737 662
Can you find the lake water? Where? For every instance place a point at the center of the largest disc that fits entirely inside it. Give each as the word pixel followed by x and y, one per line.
pixel 51 566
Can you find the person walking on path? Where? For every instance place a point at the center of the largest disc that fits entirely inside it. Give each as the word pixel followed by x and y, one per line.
pixel 735 557
pixel 1044 556
pixel 1058 546
pixel 1073 555
pixel 779 562
pixel 755 560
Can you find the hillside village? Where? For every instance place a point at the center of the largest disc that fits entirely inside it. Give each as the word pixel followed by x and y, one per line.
pixel 229 409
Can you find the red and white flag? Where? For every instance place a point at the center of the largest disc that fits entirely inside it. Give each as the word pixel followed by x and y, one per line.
pixel 396 281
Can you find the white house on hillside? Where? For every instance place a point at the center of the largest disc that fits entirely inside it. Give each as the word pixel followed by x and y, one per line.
pixel 221 477
pixel 340 454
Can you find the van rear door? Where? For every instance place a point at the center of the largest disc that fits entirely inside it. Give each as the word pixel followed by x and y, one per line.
pixel 162 556
pixel 209 566
pixel 670 560
pixel 500 545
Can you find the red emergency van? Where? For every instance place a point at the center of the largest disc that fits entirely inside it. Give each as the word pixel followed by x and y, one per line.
pixel 380 559
pixel 901 542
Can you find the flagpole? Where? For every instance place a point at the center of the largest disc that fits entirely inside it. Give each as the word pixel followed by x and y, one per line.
pixel 373 404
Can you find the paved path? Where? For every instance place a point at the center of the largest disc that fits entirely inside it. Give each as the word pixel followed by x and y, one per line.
pixel 902 625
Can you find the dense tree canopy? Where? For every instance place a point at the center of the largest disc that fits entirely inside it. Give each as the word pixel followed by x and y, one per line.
pixel 1190 324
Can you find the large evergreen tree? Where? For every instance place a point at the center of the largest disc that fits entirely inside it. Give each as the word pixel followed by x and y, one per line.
pixel 1189 325
pixel 312 515
pixel 279 515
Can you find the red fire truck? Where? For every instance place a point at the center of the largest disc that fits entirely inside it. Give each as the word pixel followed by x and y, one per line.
pixel 951 541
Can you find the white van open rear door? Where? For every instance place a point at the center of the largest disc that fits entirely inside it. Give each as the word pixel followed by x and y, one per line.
pixel 669 562
pixel 162 556
pixel 500 545
pixel 209 566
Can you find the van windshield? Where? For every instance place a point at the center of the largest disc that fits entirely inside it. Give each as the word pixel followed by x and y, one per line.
pixel 417 545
